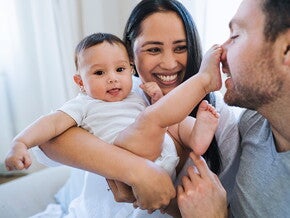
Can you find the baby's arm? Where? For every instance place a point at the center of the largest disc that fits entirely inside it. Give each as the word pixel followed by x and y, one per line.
pixel 40 131
pixel 153 90
pixel 198 133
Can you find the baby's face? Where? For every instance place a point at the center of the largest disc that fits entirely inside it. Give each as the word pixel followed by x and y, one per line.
pixel 106 72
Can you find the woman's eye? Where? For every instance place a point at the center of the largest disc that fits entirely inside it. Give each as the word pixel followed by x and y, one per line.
pixel 120 69
pixel 153 50
pixel 181 49
pixel 99 73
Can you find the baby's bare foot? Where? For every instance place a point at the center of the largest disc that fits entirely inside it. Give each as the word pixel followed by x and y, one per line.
pixel 204 128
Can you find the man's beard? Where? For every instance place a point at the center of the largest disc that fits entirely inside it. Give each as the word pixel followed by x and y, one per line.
pixel 252 93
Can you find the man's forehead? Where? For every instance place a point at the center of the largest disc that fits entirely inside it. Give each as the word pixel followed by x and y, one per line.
pixel 248 11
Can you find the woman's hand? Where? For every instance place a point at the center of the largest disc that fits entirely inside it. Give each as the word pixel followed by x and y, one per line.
pixel 201 193
pixel 152 187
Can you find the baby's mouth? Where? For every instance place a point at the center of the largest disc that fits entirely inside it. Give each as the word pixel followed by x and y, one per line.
pixel 114 91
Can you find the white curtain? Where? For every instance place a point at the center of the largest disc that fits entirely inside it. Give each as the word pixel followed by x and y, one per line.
pixel 37 41
pixel 212 18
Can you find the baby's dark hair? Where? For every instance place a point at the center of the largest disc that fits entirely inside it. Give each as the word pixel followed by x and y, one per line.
pixel 95 39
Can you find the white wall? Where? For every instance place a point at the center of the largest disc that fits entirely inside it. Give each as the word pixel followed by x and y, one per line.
pixel 212 18
pixel 6 118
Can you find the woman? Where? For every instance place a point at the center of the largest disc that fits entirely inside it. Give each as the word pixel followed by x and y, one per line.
pixel 164 46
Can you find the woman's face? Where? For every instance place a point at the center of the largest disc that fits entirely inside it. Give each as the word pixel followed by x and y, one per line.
pixel 160 50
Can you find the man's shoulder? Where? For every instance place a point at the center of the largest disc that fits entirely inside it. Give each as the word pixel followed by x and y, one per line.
pixel 250 120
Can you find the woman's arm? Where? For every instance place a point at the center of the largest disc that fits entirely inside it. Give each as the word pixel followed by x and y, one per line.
pixel 76 147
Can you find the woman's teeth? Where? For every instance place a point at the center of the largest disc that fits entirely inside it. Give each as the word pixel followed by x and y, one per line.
pixel 167 78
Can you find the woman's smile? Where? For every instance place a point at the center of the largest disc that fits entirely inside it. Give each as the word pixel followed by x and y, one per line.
pixel 167 78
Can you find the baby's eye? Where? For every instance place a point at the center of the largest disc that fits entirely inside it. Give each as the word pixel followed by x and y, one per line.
pixel 99 73
pixel 181 49
pixel 120 69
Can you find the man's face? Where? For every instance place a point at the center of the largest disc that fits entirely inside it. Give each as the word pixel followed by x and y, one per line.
pixel 249 61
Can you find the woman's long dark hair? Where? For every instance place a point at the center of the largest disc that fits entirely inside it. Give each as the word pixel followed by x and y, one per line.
pixel 144 9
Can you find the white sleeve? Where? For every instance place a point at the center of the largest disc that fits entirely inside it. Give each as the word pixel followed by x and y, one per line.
pixel 75 107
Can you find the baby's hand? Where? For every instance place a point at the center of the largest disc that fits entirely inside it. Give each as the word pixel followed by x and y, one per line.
pixel 211 66
pixel 18 157
pixel 153 90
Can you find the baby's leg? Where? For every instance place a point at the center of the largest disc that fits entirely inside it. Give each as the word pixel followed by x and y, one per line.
pixel 204 128
pixel 142 138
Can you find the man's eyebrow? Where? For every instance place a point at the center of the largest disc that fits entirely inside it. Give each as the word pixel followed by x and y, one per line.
pixel 231 24
pixel 235 22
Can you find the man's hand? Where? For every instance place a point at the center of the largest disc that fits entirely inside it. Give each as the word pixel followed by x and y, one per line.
pixel 201 193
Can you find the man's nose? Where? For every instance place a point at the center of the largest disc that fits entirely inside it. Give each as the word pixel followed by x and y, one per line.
pixel 224 53
pixel 224 61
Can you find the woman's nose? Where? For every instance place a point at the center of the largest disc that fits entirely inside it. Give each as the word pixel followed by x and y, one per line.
pixel 168 61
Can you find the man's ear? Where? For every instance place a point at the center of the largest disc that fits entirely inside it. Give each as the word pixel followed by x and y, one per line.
pixel 287 48
pixel 78 80
pixel 287 55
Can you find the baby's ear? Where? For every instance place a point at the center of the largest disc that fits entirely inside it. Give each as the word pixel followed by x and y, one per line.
pixel 78 80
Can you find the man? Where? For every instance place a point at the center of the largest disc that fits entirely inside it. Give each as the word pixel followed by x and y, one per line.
pixel 256 59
